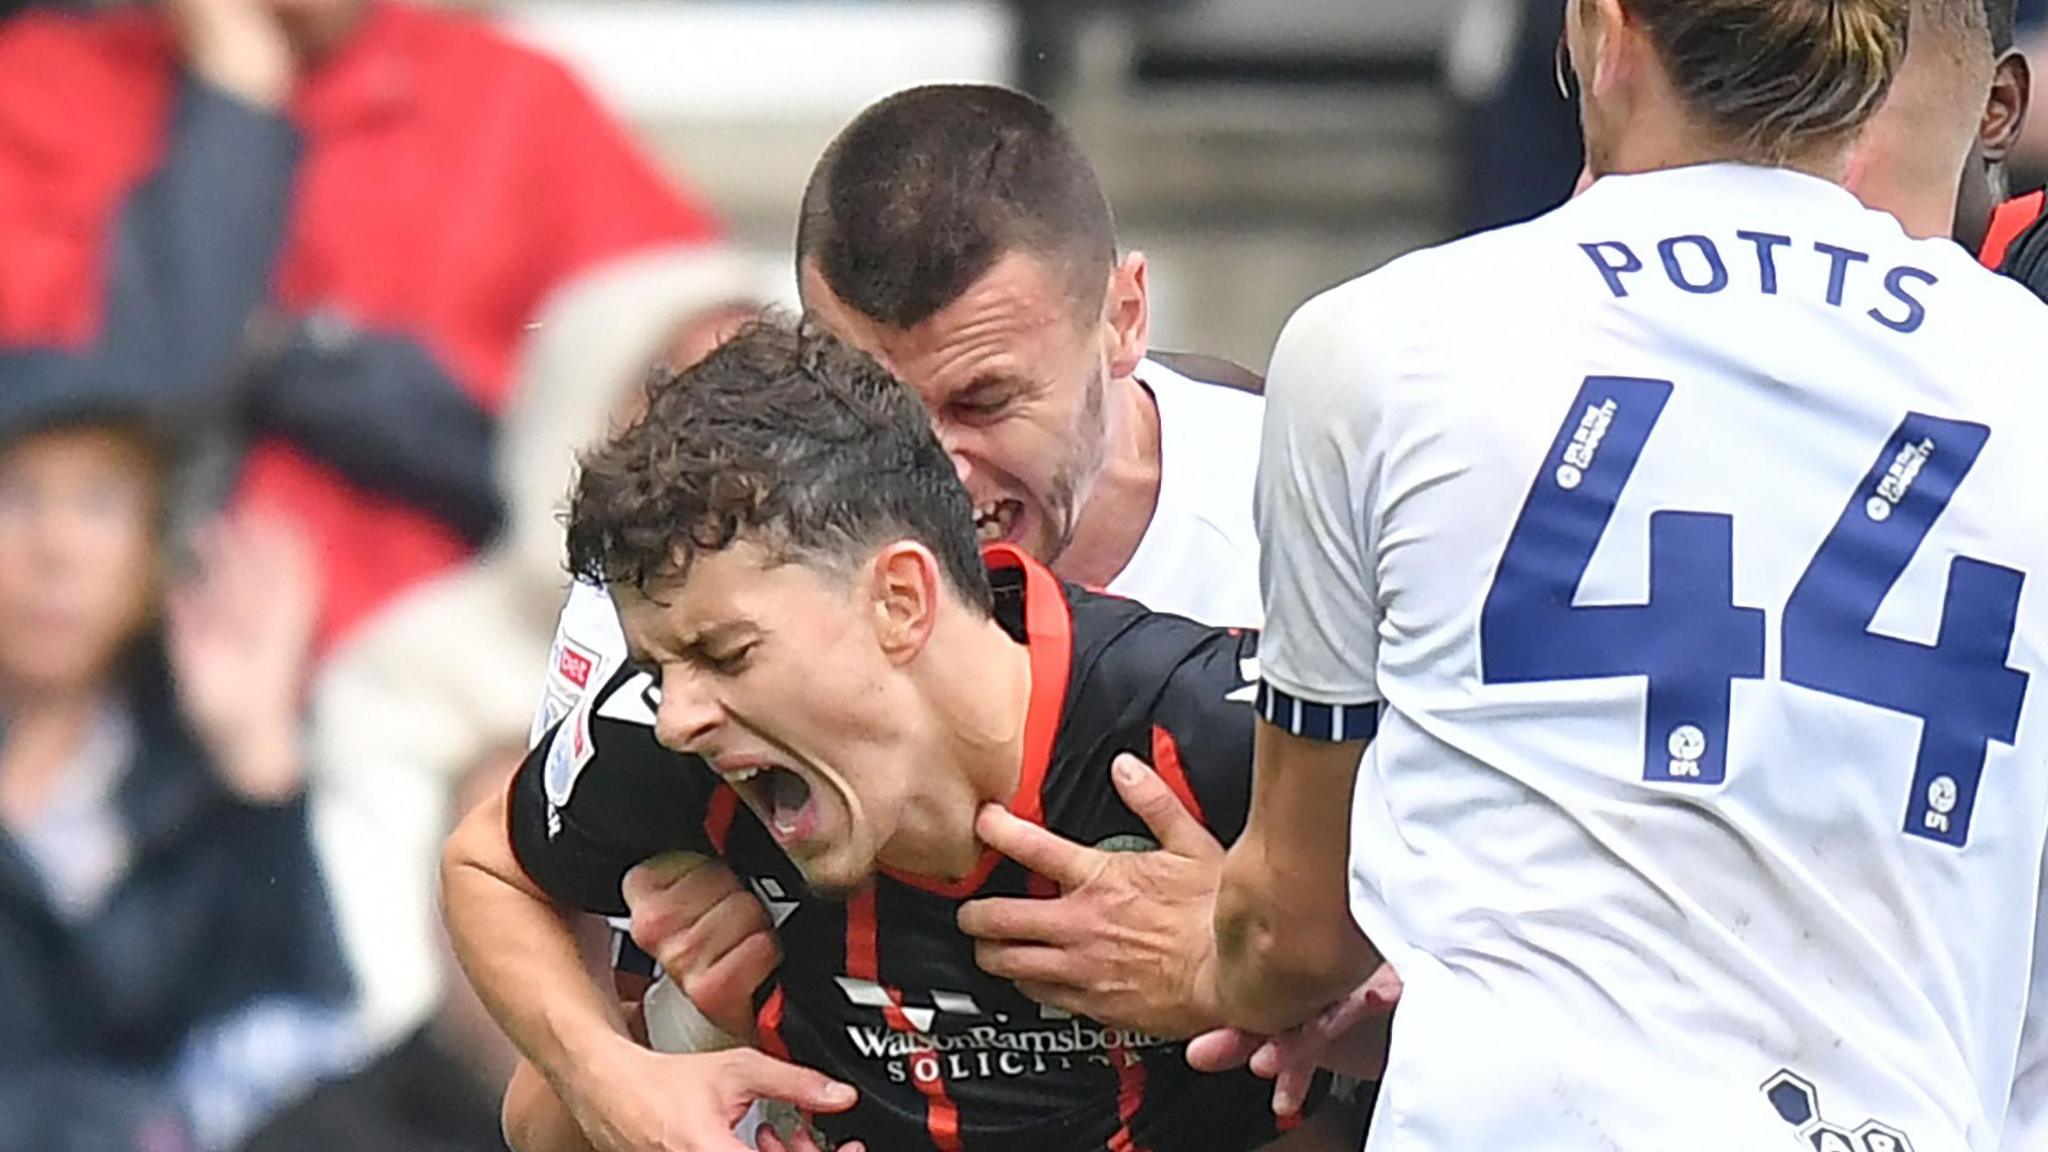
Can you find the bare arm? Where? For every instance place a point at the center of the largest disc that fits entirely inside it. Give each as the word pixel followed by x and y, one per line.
pixel 536 1120
pixel 1286 945
pixel 522 959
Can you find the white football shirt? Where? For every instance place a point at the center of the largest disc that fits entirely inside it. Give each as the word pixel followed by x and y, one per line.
pixel 1199 557
pixel 1687 547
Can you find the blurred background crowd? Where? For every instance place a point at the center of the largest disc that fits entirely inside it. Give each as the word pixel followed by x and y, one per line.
pixel 305 306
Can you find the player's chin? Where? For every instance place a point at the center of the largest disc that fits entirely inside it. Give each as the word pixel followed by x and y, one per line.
pixel 836 875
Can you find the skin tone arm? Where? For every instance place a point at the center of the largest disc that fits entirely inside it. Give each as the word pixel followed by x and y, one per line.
pixel 1286 945
pixel 522 958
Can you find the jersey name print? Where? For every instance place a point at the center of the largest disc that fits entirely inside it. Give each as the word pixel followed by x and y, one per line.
pixel 1699 608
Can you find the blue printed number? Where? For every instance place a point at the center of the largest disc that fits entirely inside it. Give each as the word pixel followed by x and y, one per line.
pixel 1959 686
pixel 1689 640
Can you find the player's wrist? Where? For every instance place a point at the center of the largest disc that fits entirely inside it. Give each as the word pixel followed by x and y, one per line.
pixel 1202 1000
pixel 581 1038
pixel 590 1058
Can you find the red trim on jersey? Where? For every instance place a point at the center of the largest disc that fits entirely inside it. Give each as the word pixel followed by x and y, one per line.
pixel 1166 761
pixel 768 1026
pixel 2009 221
pixel 718 816
pixel 862 936
pixel 1287 1123
pixel 1130 1097
pixel 1049 634
pixel 941 1115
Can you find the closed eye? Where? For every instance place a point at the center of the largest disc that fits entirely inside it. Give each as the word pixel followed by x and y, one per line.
pixel 985 401
pixel 727 663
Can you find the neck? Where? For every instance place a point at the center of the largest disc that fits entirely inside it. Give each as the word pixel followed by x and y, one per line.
pixel 1664 140
pixel 1120 505
pixel 44 730
pixel 1925 215
pixel 977 688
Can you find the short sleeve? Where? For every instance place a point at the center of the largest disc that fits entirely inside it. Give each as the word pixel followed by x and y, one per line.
pixel 598 795
pixel 1316 484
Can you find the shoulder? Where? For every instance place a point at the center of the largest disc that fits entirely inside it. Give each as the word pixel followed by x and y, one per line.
pixel 602 768
pixel 590 624
pixel 1140 660
pixel 1197 368
pixel 1165 375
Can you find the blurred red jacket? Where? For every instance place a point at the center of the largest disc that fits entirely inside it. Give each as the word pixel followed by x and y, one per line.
pixel 446 180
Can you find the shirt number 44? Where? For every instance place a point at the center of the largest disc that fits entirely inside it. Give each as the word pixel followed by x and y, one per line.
pixel 1691 641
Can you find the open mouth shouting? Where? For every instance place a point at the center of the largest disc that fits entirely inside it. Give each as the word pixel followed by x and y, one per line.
pixel 779 795
pixel 997 520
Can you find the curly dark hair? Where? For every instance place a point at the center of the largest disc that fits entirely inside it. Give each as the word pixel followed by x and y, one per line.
pixel 785 436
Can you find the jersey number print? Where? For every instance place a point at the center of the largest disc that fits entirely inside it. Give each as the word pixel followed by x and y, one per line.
pixel 1691 641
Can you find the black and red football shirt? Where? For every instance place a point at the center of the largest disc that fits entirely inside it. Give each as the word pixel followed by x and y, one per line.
pixel 882 991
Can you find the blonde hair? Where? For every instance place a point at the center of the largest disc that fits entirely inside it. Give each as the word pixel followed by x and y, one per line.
pixel 1780 79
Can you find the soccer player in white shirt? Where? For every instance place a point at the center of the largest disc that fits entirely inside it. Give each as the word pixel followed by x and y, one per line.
pixel 1687 615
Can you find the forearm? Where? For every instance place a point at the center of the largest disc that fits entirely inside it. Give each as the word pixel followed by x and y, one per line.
pixel 536 1120
pixel 522 958
pixel 194 248
pixel 1277 962
pixel 1286 945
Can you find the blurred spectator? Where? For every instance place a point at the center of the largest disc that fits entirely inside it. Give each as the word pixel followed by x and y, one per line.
pixel 445 676
pixel 1522 147
pixel 168 966
pixel 381 193
pixel 439 1091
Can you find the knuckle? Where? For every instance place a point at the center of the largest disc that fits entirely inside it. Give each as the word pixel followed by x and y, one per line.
pixel 649 932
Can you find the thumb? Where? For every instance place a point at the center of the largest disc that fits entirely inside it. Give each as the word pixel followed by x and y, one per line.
pixel 1145 792
pixel 764 1077
pixel 649 877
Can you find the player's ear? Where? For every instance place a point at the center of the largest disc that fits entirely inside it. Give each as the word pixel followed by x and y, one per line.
pixel 1127 313
pixel 904 592
pixel 2005 115
pixel 1603 54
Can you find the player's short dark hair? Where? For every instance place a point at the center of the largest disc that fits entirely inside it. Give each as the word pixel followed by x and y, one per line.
pixel 787 437
pixel 917 198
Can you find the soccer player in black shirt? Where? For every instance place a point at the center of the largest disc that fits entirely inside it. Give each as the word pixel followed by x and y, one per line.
pixel 797 572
